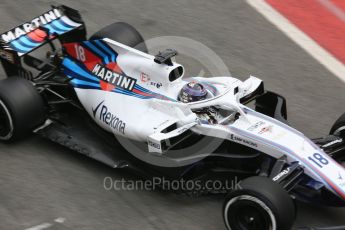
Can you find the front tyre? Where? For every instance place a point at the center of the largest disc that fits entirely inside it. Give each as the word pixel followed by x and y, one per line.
pixel 21 108
pixel 260 204
pixel 338 127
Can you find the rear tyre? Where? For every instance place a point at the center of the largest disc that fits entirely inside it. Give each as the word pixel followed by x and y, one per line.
pixel 21 108
pixel 338 127
pixel 260 204
pixel 123 33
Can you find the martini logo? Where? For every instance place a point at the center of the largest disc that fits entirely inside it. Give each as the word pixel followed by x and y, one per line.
pixel 30 26
pixel 113 78
pixel 102 113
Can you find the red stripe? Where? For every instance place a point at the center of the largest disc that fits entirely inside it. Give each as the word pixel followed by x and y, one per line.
pixel 91 59
pixel 114 67
pixel 106 86
pixel 317 21
pixel 37 35
pixel 142 93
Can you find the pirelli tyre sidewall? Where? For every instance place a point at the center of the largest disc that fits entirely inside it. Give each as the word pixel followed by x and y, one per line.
pixel 261 202
pixel 338 127
pixel 21 108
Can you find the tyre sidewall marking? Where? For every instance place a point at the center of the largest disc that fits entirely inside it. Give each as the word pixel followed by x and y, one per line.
pixel 255 200
pixel 10 134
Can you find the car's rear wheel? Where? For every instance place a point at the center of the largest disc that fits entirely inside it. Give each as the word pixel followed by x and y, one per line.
pixel 21 108
pixel 123 33
pixel 260 204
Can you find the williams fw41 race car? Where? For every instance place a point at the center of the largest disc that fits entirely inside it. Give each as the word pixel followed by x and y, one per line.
pixel 86 90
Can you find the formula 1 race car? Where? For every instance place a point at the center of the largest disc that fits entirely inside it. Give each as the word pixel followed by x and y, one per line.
pixel 86 90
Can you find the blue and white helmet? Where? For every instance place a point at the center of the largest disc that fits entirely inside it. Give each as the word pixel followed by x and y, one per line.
pixel 191 92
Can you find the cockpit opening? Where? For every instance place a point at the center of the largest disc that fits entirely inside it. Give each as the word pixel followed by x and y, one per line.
pixel 215 115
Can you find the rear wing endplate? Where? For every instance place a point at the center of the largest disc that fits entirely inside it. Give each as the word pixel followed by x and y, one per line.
pixel 38 31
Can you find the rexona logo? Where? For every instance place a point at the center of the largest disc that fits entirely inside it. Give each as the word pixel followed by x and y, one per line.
pixel 30 26
pixel 113 78
pixel 102 113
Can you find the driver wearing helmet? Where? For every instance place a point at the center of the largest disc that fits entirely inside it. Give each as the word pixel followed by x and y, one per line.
pixel 195 91
pixel 192 92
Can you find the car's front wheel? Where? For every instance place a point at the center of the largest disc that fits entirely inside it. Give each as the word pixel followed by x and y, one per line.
pixel 338 127
pixel 260 204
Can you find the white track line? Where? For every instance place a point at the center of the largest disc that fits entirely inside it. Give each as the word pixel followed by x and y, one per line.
pixel 40 227
pixel 334 9
pixel 304 41
pixel 59 220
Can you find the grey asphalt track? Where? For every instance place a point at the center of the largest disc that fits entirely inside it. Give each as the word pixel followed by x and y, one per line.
pixel 41 181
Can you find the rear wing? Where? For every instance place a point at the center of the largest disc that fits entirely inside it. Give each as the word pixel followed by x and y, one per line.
pixel 61 22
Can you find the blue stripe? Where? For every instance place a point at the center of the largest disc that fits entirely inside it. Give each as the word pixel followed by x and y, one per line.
pixel 138 87
pixel 61 31
pixel 81 82
pixel 81 76
pixel 27 42
pixel 17 46
pixel 96 50
pixel 71 65
pixel 108 50
pixel 73 70
pixel 65 24
pixel 84 86
pixel 17 49
pixel 60 26
pixel 25 45
pixel 73 74
pixel 52 30
pixel 154 95
pixel 129 93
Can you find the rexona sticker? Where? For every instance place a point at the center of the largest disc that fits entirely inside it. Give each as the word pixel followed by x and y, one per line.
pixel 102 113
pixel 113 78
